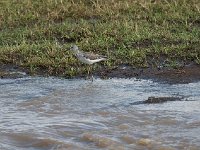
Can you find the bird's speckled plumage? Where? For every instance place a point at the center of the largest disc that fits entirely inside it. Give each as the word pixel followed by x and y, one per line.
pixel 86 57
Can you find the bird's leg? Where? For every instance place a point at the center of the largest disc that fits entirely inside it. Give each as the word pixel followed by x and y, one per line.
pixel 89 75
pixel 88 72
pixel 92 77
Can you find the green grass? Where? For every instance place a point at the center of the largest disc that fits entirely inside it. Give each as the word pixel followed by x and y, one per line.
pixel 36 34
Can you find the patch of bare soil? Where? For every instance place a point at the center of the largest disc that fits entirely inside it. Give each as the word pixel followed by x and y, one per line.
pixel 185 74
pixel 11 72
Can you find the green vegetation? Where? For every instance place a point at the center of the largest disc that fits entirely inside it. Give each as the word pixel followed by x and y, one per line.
pixel 36 34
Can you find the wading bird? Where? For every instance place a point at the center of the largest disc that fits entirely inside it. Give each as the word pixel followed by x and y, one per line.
pixel 86 57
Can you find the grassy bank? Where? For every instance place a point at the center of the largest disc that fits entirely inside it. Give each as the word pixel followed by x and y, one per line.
pixel 36 34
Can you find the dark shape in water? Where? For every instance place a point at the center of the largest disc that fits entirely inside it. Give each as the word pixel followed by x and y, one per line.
pixel 153 100
pixel 156 100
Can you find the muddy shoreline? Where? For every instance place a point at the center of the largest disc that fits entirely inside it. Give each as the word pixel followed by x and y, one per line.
pixel 185 74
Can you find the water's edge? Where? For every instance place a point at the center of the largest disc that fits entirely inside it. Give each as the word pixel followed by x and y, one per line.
pixel 56 113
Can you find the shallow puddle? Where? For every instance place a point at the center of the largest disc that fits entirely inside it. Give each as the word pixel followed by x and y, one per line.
pixel 52 113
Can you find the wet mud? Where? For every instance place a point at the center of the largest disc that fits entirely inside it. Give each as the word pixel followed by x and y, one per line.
pixel 12 72
pixel 181 75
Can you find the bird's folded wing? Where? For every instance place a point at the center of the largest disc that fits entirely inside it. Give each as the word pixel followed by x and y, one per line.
pixel 92 56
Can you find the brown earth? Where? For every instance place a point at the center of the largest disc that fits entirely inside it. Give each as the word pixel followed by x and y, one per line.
pixel 185 74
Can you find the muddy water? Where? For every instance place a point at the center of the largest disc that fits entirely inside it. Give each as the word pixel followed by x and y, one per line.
pixel 58 114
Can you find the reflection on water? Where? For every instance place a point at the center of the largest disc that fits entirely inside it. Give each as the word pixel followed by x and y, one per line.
pixel 52 113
